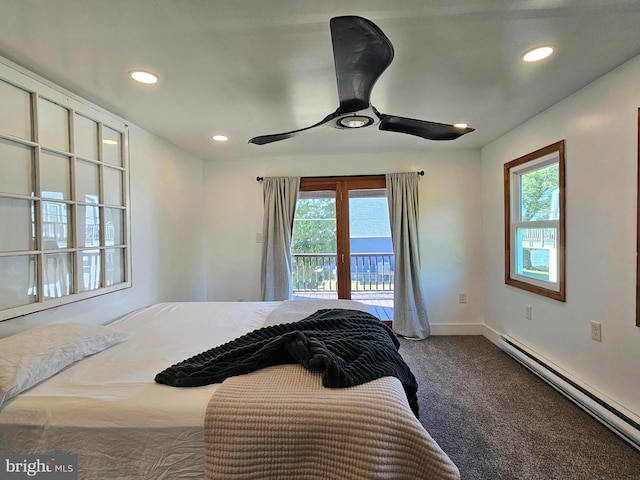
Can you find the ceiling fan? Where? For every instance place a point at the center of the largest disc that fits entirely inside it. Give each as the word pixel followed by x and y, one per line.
pixel 361 52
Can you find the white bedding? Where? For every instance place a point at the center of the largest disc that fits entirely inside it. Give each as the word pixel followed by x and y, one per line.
pixel 107 408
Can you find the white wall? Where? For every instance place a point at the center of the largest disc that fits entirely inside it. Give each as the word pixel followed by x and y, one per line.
pixel 599 124
pixel 166 238
pixel 450 225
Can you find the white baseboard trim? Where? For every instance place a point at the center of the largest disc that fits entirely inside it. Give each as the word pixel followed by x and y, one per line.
pixel 492 335
pixel 456 328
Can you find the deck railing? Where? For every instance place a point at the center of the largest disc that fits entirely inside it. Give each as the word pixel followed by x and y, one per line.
pixel 314 272
pixel 539 236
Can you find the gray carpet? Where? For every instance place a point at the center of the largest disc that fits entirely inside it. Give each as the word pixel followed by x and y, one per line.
pixel 498 421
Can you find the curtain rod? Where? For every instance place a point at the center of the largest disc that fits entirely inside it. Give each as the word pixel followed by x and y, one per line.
pixel 421 173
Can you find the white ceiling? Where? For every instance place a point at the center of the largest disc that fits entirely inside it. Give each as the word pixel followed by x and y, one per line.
pixel 253 67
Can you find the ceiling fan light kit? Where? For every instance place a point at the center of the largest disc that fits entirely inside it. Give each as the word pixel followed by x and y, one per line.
pixel 361 53
pixel 355 121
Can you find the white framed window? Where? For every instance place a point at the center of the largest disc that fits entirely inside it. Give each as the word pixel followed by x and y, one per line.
pixel 64 205
pixel 535 223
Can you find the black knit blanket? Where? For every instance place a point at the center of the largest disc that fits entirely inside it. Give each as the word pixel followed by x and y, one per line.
pixel 349 347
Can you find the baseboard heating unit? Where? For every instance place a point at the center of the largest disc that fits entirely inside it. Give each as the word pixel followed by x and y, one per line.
pixel 612 417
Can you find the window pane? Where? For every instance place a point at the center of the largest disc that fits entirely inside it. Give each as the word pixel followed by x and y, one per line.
pixel 57 276
pixel 114 266
pixel 54 125
pixel 114 226
pixel 372 260
pixel 15 114
pixel 314 242
pixel 113 187
pixel 90 264
pixel 86 137
pixel 16 165
pixel 534 213
pixel 111 146
pixel 55 179
pixel 21 235
pixel 87 187
pixel 18 283
pixel 538 188
pixel 537 253
pixel 55 225
pixel 88 225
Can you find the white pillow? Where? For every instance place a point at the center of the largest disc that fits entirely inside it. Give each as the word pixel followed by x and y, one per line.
pixel 34 355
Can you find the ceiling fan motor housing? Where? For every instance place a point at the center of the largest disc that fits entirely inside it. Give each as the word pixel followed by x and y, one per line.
pixel 361 53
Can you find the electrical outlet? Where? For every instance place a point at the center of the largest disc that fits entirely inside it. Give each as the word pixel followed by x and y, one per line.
pixel 528 312
pixel 596 331
pixel 462 298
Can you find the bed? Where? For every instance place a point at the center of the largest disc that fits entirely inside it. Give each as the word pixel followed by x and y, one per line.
pixel 276 422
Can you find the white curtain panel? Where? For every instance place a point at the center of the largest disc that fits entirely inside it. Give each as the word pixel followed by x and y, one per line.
pixel 409 312
pixel 280 196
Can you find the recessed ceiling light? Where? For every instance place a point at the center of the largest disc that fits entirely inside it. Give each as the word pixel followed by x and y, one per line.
pixel 538 53
pixel 460 125
pixel 220 138
pixel 143 77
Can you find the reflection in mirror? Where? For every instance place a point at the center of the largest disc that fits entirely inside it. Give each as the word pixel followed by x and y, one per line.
pixel 90 264
pixel 55 225
pixel 19 214
pixel 114 231
pixel 113 193
pixel 111 151
pixel 57 275
pixel 18 283
pixel 16 111
pixel 16 165
pixel 88 226
pixel 87 182
pixel 53 125
pixel 114 268
pixel 55 176
pixel 86 137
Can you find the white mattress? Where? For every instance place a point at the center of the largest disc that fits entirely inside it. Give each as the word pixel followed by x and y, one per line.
pixel 108 409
